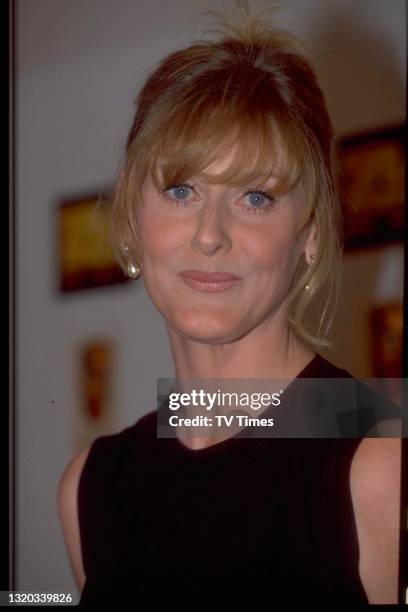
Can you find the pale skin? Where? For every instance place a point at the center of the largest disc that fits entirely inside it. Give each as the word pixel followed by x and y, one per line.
pixel 243 333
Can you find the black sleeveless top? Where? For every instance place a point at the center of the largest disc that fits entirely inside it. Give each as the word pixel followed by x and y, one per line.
pixel 246 519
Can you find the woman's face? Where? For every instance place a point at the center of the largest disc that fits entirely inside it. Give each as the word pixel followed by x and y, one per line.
pixel 196 225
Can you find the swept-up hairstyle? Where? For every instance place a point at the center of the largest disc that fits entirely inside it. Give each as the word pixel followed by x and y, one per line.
pixel 250 85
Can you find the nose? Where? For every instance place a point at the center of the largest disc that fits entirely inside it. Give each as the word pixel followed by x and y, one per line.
pixel 211 233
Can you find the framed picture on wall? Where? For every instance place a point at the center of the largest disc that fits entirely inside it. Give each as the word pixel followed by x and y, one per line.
pixel 85 256
pixel 371 170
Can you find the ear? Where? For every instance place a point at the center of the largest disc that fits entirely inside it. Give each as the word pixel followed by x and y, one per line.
pixel 311 244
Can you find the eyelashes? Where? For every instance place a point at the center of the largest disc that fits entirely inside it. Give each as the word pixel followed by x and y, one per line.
pixel 257 200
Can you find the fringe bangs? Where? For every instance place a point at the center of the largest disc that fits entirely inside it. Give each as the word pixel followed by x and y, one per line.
pixel 257 143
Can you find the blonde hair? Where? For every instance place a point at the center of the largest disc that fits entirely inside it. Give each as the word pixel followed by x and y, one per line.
pixel 252 86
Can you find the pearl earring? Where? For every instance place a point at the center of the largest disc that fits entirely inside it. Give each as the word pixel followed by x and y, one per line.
pixel 133 270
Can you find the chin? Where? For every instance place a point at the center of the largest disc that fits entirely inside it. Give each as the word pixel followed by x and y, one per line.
pixel 204 327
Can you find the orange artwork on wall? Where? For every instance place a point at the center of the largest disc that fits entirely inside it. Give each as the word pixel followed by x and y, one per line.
pixel 386 332
pixel 96 377
pixel 85 256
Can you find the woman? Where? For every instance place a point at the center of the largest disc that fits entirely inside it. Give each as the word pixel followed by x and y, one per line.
pixel 226 206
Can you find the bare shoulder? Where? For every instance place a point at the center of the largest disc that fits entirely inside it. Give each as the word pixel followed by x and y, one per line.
pixel 68 513
pixel 376 466
pixel 375 480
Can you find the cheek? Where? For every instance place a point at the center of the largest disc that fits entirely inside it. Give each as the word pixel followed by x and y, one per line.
pixel 271 246
pixel 159 236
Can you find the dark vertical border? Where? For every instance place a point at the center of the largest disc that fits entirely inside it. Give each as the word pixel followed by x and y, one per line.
pixel 12 299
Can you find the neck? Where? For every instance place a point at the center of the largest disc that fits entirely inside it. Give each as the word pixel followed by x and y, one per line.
pixel 262 353
pixel 270 351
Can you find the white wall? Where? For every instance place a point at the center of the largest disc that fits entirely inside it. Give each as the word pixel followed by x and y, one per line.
pixel 79 65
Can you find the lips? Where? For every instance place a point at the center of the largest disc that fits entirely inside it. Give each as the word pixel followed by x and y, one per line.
pixel 209 277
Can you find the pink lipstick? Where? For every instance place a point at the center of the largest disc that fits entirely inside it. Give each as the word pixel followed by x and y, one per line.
pixel 209 281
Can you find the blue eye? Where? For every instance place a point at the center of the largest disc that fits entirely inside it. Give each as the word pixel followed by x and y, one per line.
pixel 259 201
pixel 180 192
pixel 257 198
